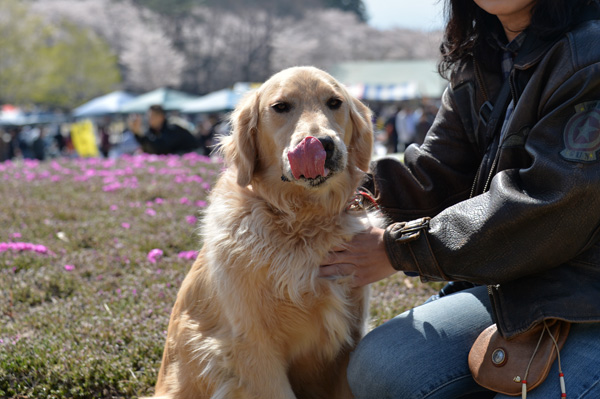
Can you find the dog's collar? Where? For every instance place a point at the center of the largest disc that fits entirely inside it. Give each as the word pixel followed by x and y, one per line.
pixel 362 200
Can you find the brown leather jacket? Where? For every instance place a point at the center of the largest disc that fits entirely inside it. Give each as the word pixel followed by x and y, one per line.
pixel 527 224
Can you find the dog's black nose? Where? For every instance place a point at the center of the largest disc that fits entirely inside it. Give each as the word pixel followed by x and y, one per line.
pixel 328 145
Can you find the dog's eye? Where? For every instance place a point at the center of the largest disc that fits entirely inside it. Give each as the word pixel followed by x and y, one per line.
pixel 334 103
pixel 281 107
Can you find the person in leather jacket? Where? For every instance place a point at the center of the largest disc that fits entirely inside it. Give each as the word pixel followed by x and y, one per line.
pixel 506 203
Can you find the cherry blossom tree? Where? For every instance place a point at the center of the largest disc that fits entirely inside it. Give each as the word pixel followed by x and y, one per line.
pixel 204 45
pixel 146 56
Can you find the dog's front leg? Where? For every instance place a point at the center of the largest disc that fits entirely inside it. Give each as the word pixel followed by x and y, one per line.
pixel 257 372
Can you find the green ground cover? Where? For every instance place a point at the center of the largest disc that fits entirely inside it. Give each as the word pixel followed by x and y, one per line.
pixel 92 253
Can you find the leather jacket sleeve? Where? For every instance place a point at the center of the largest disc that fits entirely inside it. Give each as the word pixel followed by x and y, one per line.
pixel 543 205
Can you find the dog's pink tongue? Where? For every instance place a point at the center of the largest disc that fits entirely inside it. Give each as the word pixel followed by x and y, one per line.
pixel 308 159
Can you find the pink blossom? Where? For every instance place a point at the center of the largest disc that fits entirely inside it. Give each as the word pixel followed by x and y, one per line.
pixel 201 204
pixel 185 201
pixel 23 247
pixel 112 187
pixel 69 268
pixel 150 212
pixel 114 207
pixel 125 225
pixel 154 255
pixel 190 255
pixel 190 219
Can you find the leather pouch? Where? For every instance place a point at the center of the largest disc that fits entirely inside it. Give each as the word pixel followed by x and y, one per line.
pixel 500 364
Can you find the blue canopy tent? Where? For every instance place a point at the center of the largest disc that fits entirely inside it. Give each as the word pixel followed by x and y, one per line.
pixel 221 100
pixel 169 99
pixel 107 104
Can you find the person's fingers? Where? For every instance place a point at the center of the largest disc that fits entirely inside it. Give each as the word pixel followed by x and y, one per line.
pixel 339 248
pixel 334 256
pixel 336 270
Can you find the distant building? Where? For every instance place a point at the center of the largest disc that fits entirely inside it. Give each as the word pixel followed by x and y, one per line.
pixel 391 80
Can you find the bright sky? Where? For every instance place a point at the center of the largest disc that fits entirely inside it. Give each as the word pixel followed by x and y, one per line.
pixel 412 14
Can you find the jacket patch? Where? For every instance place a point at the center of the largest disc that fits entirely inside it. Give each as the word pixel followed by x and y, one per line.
pixel 582 133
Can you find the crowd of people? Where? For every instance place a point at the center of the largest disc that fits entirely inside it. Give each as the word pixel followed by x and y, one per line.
pixel 406 123
pixel 33 142
pixel 158 132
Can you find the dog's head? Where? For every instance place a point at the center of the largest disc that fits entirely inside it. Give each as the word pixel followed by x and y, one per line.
pixel 301 127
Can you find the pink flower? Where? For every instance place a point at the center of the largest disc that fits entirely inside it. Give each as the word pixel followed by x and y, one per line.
pixel 184 201
pixel 15 235
pixel 125 225
pixel 190 255
pixel 150 212
pixel 40 249
pixel 190 219
pixel 114 207
pixel 69 268
pixel 24 246
pixel 112 187
pixel 154 255
pixel 201 204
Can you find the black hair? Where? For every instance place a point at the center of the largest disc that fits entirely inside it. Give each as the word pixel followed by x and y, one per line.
pixel 469 28
pixel 157 109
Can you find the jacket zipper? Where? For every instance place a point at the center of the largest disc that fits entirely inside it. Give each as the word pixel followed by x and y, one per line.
pixel 497 154
pixel 480 80
pixel 500 138
pixel 485 99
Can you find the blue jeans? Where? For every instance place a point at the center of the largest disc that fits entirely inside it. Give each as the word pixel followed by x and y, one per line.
pixel 422 353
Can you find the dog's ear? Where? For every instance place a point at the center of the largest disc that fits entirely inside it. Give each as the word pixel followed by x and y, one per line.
pixel 239 149
pixel 361 143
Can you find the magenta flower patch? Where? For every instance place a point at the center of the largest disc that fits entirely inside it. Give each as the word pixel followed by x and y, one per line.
pixel 24 247
pixel 189 255
pixel 154 255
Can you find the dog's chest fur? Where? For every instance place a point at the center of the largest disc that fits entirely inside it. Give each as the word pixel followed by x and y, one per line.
pixel 276 256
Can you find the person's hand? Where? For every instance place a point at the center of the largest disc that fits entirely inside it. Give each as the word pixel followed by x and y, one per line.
pixel 134 123
pixel 364 258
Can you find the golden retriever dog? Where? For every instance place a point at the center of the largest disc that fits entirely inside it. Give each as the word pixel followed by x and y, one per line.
pixel 252 318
